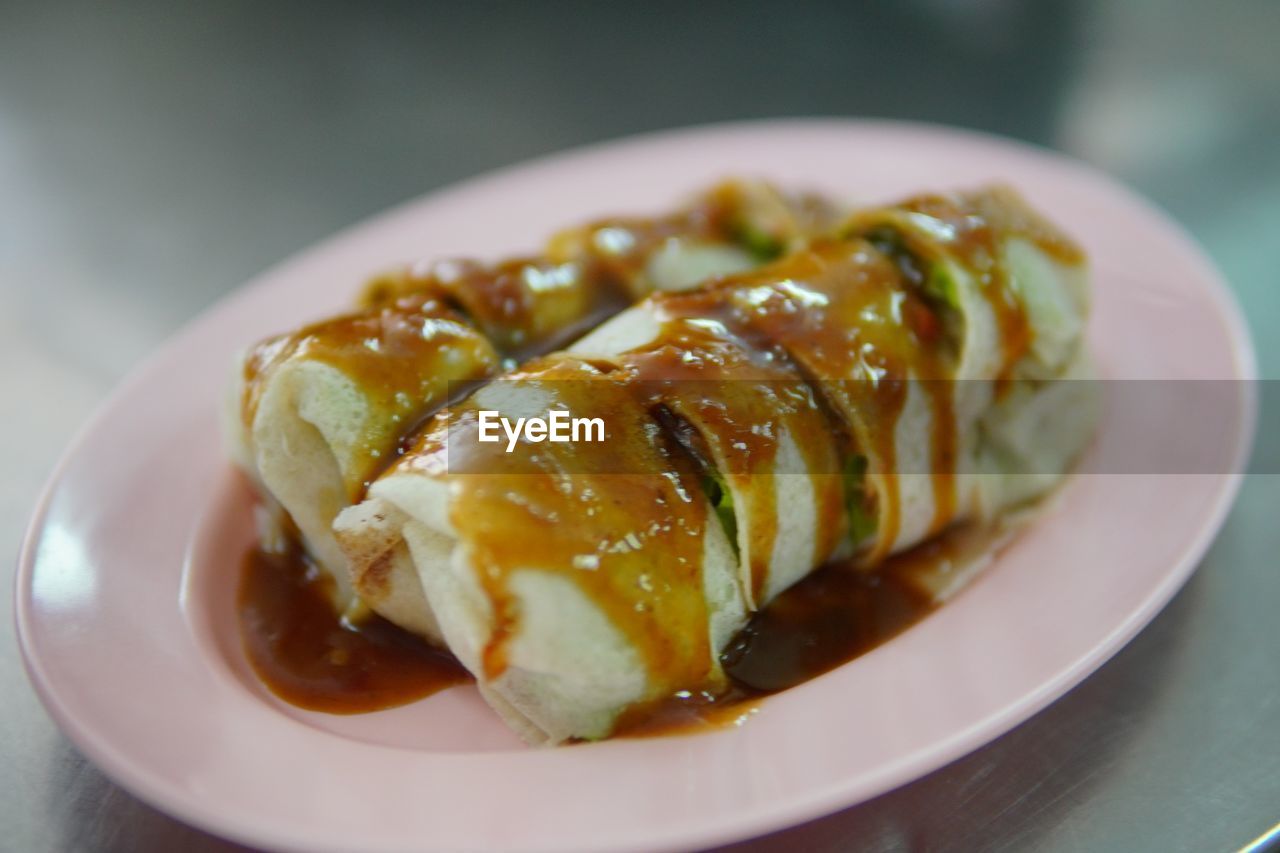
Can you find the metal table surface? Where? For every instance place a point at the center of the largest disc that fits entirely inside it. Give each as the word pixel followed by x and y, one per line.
pixel 153 156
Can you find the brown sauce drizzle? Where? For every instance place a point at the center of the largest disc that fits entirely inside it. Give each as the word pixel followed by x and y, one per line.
pixel 943 450
pixel 933 327
pixel 304 653
pixel 403 357
pixel 971 229
pixel 528 306
pixel 413 335
pixel 737 398
pixel 523 306
pixel 978 223
pixel 844 313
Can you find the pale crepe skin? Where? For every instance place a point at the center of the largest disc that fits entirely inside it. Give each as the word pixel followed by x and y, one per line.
pixel 576 673
pixel 316 430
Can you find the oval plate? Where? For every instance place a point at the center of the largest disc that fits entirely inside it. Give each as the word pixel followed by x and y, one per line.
pixel 125 585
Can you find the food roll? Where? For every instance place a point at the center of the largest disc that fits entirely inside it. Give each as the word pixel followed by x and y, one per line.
pixel 853 398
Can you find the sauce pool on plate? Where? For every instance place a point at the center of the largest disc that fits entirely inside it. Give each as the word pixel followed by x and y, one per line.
pixel 313 659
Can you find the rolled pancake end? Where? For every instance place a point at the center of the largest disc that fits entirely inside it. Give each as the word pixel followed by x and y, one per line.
pixel 299 413
pixel 382 572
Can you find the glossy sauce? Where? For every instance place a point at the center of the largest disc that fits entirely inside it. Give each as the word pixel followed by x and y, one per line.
pixel 403 358
pixel 971 229
pixel 523 306
pixel 977 225
pixel 859 333
pixel 737 398
pixel 829 618
pixel 303 652
pixel 832 616
pixel 528 306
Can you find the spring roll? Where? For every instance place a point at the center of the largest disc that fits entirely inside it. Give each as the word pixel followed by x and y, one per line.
pixel 855 397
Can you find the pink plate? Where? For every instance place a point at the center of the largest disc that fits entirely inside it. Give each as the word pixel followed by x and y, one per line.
pixel 125 584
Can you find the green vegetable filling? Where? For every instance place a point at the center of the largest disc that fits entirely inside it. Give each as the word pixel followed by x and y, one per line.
pixel 862 520
pixel 933 279
pixel 942 285
pixel 762 245
pixel 722 499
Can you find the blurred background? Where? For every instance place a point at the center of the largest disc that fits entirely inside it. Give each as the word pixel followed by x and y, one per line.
pixel 153 156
